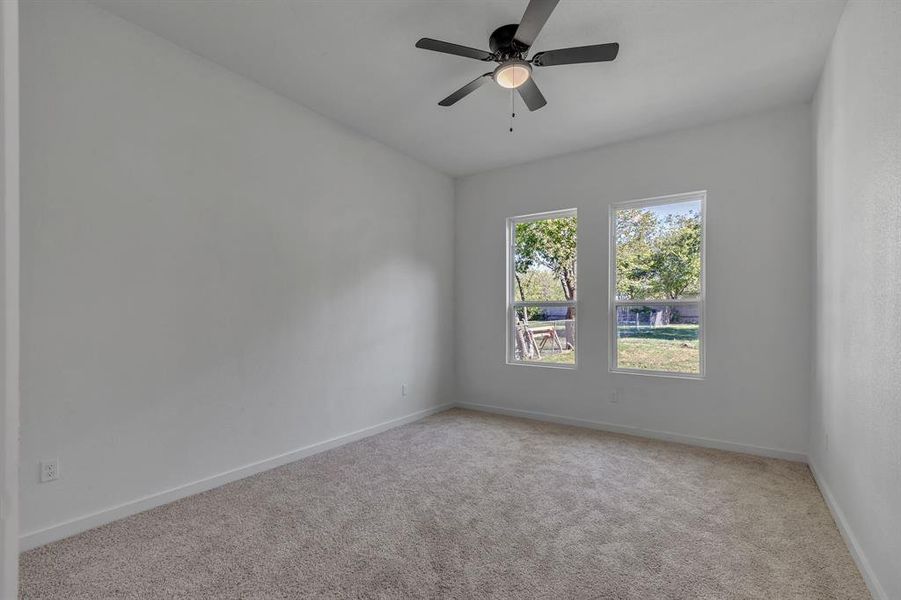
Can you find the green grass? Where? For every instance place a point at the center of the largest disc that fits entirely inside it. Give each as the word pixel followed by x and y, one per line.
pixel 670 332
pixel 673 348
pixel 567 357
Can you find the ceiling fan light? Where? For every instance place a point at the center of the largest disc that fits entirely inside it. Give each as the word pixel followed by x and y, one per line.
pixel 512 74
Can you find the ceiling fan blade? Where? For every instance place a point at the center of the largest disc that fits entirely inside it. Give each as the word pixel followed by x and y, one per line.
pixel 531 95
pixel 536 15
pixel 580 54
pixel 465 90
pixel 457 49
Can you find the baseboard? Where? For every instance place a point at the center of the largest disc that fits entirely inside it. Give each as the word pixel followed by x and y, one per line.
pixel 33 539
pixel 863 565
pixel 640 432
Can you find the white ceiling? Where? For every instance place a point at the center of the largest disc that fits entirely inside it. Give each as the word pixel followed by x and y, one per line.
pixel 681 63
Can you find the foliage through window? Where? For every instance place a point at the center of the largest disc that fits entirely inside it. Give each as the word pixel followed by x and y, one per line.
pixel 657 285
pixel 542 289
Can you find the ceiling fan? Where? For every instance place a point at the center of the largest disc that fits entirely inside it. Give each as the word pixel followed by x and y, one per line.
pixel 510 45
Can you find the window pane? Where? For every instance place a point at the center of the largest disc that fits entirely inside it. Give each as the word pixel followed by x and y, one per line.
pixel 545 260
pixel 545 334
pixel 658 252
pixel 658 338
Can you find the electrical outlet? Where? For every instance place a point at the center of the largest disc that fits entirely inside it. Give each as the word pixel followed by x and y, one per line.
pixel 403 389
pixel 49 470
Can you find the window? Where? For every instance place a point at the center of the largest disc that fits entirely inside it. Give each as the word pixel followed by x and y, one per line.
pixel 657 286
pixel 541 291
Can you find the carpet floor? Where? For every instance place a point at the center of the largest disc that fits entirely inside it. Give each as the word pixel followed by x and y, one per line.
pixel 471 505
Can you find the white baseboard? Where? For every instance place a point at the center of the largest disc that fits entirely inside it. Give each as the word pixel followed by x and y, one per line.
pixel 863 565
pixel 637 431
pixel 33 539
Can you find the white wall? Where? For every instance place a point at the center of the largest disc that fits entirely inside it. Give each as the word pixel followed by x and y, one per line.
pixel 758 173
pixel 855 425
pixel 9 299
pixel 212 275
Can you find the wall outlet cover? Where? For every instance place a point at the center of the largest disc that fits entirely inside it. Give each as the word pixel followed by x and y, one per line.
pixel 49 470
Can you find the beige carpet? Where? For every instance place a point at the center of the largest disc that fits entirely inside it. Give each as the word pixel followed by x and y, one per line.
pixel 469 505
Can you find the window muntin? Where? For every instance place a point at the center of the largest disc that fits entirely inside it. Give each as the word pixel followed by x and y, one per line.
pixel 541 273
pixel 657 286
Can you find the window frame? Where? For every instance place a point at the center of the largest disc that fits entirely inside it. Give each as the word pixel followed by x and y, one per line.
pixel 513 304
pixel 701 300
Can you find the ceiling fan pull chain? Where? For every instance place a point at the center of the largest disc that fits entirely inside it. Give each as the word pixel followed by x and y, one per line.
pixel 512 108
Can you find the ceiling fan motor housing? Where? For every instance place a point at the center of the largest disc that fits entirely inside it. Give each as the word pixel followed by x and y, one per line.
pixel 503 44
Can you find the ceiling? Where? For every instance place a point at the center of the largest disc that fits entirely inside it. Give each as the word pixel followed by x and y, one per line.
pixel 681 63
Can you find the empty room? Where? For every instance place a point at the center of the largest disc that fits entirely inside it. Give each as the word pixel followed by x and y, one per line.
pixel 552 299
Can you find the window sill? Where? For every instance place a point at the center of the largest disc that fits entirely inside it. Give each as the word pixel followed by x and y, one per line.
pixel 520 363
pixel 664 374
